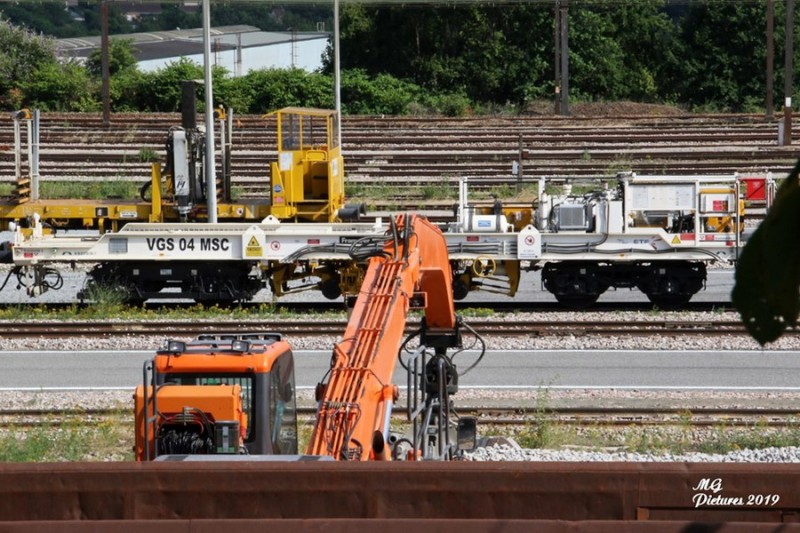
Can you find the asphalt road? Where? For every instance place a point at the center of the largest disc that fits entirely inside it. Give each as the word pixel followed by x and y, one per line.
pixel 553 369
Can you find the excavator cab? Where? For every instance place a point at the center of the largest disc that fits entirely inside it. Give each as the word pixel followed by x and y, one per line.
pixel 220 394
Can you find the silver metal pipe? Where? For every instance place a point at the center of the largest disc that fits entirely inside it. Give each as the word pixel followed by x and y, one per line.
pixel 34 158
pixel 210 160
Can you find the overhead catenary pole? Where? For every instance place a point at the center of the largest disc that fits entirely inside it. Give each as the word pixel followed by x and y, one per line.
pixel 105 73
pixel 787 73
pixel 564 57
pixel 770 103
pixel 557 61
pixel 210 160
pixel 336 72
pixel 238 68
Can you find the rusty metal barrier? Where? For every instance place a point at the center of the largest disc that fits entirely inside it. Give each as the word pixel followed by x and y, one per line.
pixel 186 492
pixel 391 526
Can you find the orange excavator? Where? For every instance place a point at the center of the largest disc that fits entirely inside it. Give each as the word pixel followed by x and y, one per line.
pixel 233 396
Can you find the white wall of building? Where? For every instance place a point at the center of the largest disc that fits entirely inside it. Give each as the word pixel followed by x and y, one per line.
pixel 307 55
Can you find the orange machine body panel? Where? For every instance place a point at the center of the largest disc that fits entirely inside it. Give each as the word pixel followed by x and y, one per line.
pixel 218 402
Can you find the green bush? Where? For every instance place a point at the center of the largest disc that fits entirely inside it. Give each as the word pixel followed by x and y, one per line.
pixel 60 87
pixel 450 105
pixel 268 90
pixel 379 95
pixel 161 90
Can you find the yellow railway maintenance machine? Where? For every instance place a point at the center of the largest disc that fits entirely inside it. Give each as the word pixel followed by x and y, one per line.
pixel 306 183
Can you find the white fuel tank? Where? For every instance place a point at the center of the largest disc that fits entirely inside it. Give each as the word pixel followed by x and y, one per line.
pixel 488 224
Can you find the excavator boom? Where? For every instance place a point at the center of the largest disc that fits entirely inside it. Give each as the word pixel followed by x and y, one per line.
pixel 355 404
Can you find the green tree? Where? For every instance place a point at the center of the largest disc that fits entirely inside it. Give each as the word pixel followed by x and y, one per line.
pixel 57 19
pixel 161 90
pixel 126 90
pixel 51 18
pixel 492 53
pixel 117 22
pixel 273 17
pixel 24 53
pixel 723 55
pixel 121 56
pixel 649 41
pixel 60 87
pixel 172 17
pixel 505 54
pixel 596 60
pixel 621 50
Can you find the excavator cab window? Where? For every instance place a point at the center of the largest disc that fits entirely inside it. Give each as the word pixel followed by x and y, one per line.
pixel 283 406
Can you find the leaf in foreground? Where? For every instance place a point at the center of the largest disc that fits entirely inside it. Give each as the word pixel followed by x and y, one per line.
pixel 767 287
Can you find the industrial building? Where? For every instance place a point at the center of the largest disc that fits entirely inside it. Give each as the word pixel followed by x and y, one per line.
pixel 239 49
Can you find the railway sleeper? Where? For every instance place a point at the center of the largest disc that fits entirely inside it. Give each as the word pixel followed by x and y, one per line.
pixel 579 284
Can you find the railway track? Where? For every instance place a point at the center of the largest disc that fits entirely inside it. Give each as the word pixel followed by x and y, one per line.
pixel 416 159
pixel 504 327
pixel 327 306
pixel 498 416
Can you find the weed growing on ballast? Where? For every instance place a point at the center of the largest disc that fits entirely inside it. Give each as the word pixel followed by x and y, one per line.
pixel 77 440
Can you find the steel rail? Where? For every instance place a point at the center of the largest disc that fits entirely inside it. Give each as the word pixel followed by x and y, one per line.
pixel 506 327
pixel 721 308
pixel 505 416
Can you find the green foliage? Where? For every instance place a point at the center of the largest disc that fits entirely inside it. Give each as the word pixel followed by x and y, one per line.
pixel 106 299
pixel 485 52
pixel 125 90
pixel 106 302
pixel 172 16
pixel 74 441
pixel 268 90
pixel 767 288
pixel 383 94
pixel 148 155
pixel 758 436
pixel 725 68
pixel 24 53
pixel 503 191
pixel 236 93
pixel 121 57
pixel 272 18
pixel 94 190
pixel 449 105
pixel 478 312
pixel 448 59
pixel 50 17
pixel 648 43
pixel 60 87
pixel 439 191
pixel 161 90
pixel 542 431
